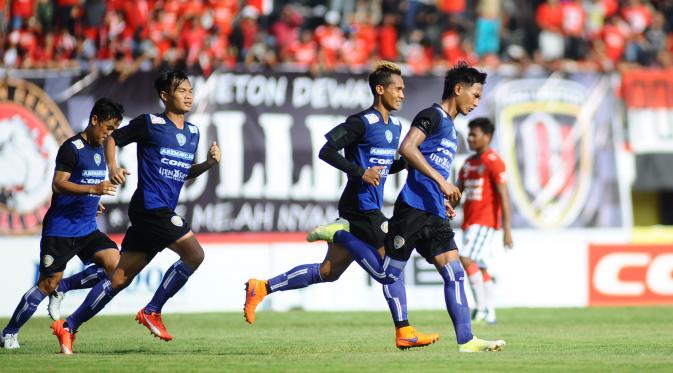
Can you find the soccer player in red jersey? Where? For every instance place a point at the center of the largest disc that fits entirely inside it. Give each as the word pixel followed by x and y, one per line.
pixel 483 183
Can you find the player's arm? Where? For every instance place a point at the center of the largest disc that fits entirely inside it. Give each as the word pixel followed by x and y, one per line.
pixel 460 184
pixel 501 188
pixel 213 159
pixel 397 166
pixel 66 159
pixel 135 131
pixel 340 137
pixel 409 149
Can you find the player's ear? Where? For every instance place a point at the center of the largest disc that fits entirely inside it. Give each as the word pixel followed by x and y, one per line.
pixel 379 89
pixel 457 89
pixel 94 120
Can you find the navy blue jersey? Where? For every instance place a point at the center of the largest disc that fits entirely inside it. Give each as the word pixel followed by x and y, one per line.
pixel 165 155
pixel 373 142
pixel 439 149
pixel 73 215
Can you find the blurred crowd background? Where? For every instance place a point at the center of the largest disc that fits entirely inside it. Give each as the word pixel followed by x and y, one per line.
pixel 334 35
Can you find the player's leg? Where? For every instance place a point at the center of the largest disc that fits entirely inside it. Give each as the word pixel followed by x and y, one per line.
pixel 96 248
pixel 335 263
pixel 473 242
pixel 27 307
pixel 191 256
pixel 490 295
pixel 130 264
pixel 447 262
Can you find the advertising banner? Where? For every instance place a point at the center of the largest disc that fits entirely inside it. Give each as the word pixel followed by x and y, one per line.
pixel 630 274
pixel 270 128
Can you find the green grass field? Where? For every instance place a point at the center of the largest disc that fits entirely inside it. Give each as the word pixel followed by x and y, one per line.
pixel 599 339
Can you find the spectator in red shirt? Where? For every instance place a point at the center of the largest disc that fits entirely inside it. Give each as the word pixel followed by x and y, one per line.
pixel 330 38
pixel 388 38
pixel 549 17
pixel 303 52
pixel 286 29
pixel 574 20
pixel 21 10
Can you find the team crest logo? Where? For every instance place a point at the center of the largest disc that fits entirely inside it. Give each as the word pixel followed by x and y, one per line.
pixel 31 129
pixel 181 139
pixel 389 136
pixel 546 125
pixel 97 159
pixel 384 227
pixel 398 242
pixel 47 260
pixel 177 221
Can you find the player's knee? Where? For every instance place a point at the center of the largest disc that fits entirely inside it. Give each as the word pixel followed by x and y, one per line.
pixel 329 275
pixel 120 281
pixel 48 285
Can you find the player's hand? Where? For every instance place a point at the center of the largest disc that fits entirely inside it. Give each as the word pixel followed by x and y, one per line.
pixel 105 187
pixel 507 239
pixel 118 175
pixel 450 212
pixel 101 208
pixel 372 175
pixel 214 154
pixel 450 191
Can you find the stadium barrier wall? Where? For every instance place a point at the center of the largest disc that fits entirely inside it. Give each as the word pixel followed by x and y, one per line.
pixel 547 268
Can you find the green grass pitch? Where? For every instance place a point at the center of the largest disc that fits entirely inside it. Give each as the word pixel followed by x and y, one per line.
pixel 562 340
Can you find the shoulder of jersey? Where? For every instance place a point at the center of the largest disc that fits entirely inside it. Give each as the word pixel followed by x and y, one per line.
pixel 79 144
pixel 155 119
pixel 395 120
pixel 494 157
pixel 192 128
pixel 442 112
pixel 371 118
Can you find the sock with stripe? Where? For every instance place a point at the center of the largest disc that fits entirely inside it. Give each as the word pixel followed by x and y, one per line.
pixel 477 285
pixel 456 303
pixel 24 310
pixel 100 295
pixel 396 296
pixel 174 279
pixel 296 278
pixel 384 270
pixel 83 280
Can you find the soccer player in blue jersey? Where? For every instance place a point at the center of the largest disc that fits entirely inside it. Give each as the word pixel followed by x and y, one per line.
pixel 69 227
pixel 166 153
pixel 420 215
pixel 369 139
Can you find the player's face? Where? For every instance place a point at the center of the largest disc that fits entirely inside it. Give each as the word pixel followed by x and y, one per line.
pixel 180 101
pixel 393 93
pixel 103 129
pixel 467 98
pixel 477 139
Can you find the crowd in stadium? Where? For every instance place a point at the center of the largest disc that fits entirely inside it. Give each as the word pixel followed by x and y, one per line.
pixel 334 35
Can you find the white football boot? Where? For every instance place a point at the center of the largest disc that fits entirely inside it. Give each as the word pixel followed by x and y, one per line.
pixel 54 307
pixel 9 341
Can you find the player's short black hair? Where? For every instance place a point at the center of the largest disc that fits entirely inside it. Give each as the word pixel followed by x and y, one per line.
pixel 382 73
pixel 105 109
pixel 461 73
pixel 169 80
pixel 483 123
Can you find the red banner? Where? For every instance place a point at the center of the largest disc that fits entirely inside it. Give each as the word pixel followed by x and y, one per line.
pixel 630 275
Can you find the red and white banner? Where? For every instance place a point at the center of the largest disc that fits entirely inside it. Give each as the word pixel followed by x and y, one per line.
pixel 630 274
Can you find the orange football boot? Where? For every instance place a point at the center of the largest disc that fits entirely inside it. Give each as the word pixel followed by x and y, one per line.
pixel 255 291
pixel 65 337
pixel 408 337
pixel 154 323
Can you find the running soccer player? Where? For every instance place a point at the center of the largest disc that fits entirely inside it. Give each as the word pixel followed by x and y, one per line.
pixel 166 150
pixel 69 227
pixel 483 184
pixel 420 215
pixel 370 139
